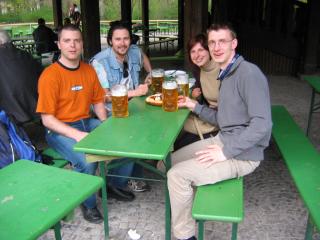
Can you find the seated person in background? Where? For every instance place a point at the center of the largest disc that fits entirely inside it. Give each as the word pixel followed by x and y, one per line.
pixel 67 90
pixel 66 21
pixel 206 92
pixel 121 63
pixel 44 38
pixel 18 80
pixel 244 119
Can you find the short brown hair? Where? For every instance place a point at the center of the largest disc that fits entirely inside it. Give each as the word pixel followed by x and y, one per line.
pixel 70 27
pixel 224 26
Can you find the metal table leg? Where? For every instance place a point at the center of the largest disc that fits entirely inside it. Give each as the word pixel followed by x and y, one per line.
pixel 57 231
pixel 234 231
pixel 310 112
pixel 168 210
pixel 200 229
pixel 104 199
pixel 309 230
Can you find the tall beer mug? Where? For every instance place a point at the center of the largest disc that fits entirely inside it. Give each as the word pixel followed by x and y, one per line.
pixel 169 96
pixel 157 80
pixel 183 84
pixel 119 96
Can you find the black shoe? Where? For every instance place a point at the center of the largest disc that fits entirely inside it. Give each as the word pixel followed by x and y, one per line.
pixel 120 194
pixel 191 238
pixel 91 214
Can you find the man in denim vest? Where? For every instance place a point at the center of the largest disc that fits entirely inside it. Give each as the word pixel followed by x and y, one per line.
pixel 121 63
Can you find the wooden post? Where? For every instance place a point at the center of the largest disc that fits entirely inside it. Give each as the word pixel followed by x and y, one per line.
pixel 57 13
pixel 312 37
pixel 126 15
pixel 90 27
pixel 145 23
pixel 195 21
pixel 180 24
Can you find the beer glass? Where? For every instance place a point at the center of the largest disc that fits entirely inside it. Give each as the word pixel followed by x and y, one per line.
pixel 119 96
pixel 183 84
pixel 169 96
pixel 157 80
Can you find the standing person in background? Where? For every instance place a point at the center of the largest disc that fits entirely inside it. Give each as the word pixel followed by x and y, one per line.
pixel 75 15
pixel 44 38
pixel 244 119
pixel 206 92
pixel 67 90
pixel 121 63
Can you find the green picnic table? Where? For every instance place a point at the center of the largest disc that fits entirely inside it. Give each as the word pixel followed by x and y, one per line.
pixel 148 133
pixel 314 82
pixel 35 197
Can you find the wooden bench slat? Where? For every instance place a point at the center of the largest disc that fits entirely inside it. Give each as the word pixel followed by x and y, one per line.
pixel 221 201
pixel 301 158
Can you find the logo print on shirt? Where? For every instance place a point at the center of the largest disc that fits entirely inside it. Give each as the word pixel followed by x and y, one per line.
pixel 76 88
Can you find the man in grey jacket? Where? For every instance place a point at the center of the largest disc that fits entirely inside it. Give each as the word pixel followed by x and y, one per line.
pixel 244 119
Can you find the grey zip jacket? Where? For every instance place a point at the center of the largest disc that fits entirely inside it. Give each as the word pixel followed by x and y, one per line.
pixel 244 112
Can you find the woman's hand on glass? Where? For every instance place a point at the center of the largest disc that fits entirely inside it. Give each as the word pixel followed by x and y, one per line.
pixel 196 92
pixel 186 102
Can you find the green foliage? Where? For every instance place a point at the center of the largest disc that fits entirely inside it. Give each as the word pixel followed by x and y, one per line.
pixel 111 10
pixel 164 9
pixel 25 15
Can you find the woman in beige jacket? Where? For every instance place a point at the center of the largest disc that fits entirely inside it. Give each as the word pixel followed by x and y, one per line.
pixel 206 91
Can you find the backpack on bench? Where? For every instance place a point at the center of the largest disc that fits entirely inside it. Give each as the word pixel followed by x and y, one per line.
pixel 14 142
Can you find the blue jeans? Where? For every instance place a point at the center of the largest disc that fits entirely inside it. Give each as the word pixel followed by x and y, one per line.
pixel 64 146
pixel 129 169
pixel 124 170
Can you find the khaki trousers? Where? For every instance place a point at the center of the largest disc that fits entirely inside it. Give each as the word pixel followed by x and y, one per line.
pixel 188 172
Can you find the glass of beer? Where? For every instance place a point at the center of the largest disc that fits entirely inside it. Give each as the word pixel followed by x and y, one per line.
pixel 119 98
pixel 183 84
pixel 170 96
pixel 157 80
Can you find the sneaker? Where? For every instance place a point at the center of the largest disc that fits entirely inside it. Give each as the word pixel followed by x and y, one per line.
pixel 138 186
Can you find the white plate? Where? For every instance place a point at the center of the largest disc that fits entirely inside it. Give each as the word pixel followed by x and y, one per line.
pixel 173 73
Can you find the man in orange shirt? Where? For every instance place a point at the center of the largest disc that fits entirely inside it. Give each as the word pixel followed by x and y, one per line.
pixel 67 89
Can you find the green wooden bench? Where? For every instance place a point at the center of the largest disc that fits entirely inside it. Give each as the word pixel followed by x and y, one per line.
pixel 58 161
pixel 222 201
pixel 302 160
pixel 51 194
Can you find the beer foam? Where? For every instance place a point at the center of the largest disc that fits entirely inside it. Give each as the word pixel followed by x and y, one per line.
pixel 182 79
pixel 119 90
pixel 157 73
pixel 169 85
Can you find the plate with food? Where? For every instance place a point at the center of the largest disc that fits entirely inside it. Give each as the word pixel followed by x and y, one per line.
pixel 155 99
pixel 173 73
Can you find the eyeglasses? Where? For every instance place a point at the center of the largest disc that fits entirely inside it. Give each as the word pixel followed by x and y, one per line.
pixel 221 43
pixel 125 69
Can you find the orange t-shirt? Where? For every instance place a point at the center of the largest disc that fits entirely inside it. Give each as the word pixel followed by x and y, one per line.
pixel 68 93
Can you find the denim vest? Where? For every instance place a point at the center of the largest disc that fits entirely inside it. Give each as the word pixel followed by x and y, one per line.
pixel 113 69
pixel 115 72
